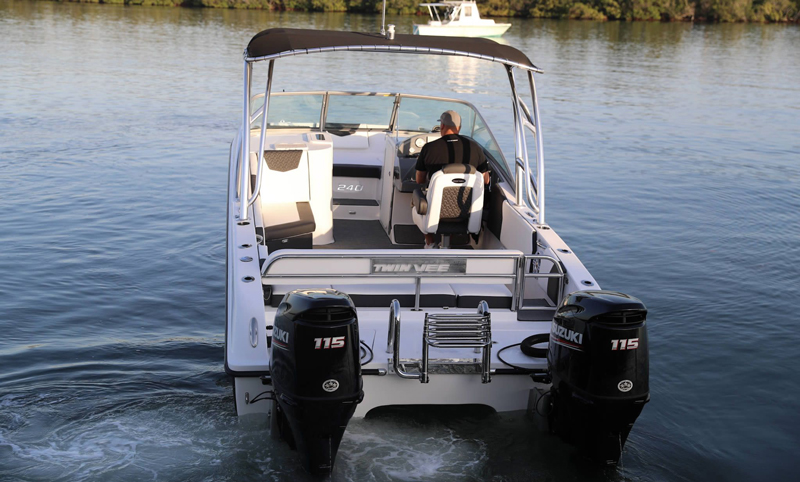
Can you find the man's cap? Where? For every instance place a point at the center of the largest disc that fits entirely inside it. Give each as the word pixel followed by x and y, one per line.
pixel 450 118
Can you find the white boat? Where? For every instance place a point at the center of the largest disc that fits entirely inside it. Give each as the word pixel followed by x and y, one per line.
pixel 334 308
pixel 458 19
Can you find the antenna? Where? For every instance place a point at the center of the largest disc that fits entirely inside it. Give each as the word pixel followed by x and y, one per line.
pixel 383 19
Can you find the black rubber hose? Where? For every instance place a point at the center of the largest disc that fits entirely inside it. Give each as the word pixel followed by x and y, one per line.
pixel 367 351
pixel 528 345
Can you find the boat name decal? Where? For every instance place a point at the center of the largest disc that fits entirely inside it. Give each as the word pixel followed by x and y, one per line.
pixel 427 265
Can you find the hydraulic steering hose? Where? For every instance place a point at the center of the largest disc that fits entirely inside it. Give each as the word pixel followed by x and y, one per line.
pixel 527 347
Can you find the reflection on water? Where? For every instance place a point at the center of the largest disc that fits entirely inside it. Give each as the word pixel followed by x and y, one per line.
pixel 672 172
pixel 464 75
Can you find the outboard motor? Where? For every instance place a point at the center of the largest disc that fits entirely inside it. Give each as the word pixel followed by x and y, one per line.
pixel 598 361
pixel 316 373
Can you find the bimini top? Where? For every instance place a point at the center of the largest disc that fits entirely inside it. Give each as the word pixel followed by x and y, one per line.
pixel 286 42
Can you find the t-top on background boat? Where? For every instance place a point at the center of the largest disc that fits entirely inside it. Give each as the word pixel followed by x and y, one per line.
pixel 458 19
pixel 334 308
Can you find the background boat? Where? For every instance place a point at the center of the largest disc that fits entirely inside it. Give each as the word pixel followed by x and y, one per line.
pixel 458 19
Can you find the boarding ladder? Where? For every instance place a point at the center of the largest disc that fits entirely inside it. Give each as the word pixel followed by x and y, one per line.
pixel 445 330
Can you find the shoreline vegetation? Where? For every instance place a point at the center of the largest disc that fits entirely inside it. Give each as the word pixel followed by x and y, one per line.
pixel 770 11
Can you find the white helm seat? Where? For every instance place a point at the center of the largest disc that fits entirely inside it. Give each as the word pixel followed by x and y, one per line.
pixel 453 203
pixel 285 200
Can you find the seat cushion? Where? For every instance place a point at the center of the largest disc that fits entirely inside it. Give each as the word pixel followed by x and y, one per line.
pixel 287 220
pixel 455 202
pixel 468 296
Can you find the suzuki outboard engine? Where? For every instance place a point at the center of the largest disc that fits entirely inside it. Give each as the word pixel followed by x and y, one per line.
pixel 316 373
pixel 599 365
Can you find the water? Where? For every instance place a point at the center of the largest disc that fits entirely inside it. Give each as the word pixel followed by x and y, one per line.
pixel 672 154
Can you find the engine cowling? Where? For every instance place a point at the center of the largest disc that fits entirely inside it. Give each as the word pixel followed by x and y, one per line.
pixel 316 372
pixel 598 360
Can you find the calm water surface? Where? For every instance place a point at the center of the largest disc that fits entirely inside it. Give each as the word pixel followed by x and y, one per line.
pixel 673 172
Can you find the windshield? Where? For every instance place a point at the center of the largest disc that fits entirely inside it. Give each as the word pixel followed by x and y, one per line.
pixel 422 115
pixel 346 113
pixel 371 111
pixel 289 111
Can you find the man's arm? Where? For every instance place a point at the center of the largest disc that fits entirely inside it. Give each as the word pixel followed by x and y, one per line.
pixel 483 167
pixel 422 171
pixel 483 164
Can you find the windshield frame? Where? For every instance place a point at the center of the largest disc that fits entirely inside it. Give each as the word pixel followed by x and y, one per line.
pixel 503 168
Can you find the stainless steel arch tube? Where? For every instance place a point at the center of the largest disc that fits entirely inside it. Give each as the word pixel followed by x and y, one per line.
pixel 244 160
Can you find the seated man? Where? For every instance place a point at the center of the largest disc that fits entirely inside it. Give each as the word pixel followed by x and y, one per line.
pixel 448 149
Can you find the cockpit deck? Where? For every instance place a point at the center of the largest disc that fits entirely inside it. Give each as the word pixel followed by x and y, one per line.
pixel 362 234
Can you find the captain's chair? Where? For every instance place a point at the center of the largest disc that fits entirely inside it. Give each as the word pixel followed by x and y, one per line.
pixel 453 204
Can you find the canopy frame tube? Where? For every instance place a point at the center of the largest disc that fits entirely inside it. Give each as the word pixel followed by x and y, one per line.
pixel 391 49
pixel 522 188
pixel 539 150
pixel 264 113
pixel 244 160
pixel 526 194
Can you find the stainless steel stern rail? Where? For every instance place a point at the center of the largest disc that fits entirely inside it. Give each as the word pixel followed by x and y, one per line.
pixel 394 334
pixel 525 274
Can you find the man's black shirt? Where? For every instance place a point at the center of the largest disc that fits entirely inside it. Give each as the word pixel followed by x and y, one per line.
pixel 450 149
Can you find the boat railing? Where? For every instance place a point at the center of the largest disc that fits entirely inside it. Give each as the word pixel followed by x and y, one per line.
pixel 262 139
pixel 444 330
pixel 531 270
pixel 506 267
pixel 235 156
pixel 539 152
pixel 523 187
pixel 526 121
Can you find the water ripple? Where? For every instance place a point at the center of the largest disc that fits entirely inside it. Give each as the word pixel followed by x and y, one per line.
pixel 672 169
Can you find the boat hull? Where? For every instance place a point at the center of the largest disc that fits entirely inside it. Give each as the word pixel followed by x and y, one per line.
pixel 495 30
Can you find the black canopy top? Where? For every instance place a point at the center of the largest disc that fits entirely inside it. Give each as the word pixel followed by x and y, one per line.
pixel 285 42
